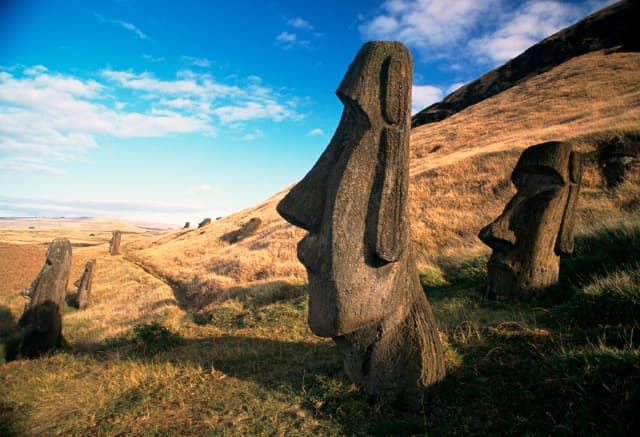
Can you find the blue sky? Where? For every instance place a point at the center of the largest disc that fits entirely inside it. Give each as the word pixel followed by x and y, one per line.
pixel 172 111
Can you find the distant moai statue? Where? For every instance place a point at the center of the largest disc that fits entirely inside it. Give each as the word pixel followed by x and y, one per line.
pixel 536 226
pixel 186 225
pixel 618 157
pixel 84 285
pixel 364 289
pixel 204 222
pixel 41 322
pixel 246 230
pixel 114 248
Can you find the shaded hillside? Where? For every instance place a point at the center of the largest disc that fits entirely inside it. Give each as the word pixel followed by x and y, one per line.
pixel 611 28
pixel 460 179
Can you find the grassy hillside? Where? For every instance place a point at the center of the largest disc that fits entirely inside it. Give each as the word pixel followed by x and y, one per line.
pixel 192 335
pixel 460 171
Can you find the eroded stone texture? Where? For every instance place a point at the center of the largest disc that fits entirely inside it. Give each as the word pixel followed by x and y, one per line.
pixel 536 226
pixel 84 287
pixel 364 289
pixel 114 248
pixel 41 322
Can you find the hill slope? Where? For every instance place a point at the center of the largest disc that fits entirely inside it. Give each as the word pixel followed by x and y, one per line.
pixel 460 171
pixel 610 28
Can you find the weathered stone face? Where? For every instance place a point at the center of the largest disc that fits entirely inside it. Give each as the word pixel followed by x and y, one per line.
pixel 84 287
pixel 114 248
pixel 41 322
pixel 363 285
pixel 536 226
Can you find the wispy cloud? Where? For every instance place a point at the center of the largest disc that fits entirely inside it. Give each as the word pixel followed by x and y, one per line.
pixel 423 96
pixel 480 32
pixel 289 40
pixel 300 23
pixel 42 207
pixel 315 132
pixel 47 118
pixel 125 25
pixel 152 58
pixel 198 189
pixel 533 21
pixel 197 62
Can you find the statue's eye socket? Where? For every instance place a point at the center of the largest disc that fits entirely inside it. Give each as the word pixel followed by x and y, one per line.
pixel 538 179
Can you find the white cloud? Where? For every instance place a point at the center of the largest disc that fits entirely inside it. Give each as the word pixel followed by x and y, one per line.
pixel 35 70
pixel 535 20
pixel 198 62
pixel 30 167
pixel 471 31
pixel 198 188
pixel 286 37
pixel 21 207
pixel 125 25
pixel 152 58
pixel 300 23
pixel 288 41
pixel 423 96
pixel 48 117
pixel 252 110
pixel 315 132
pixel 428 24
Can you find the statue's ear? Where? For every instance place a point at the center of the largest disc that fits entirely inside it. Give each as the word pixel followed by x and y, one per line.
pixel 391 186
pixel 564 243
pixel 391 228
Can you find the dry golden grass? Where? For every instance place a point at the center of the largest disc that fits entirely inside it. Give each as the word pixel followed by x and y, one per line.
pixel 460 177
pixel 123 294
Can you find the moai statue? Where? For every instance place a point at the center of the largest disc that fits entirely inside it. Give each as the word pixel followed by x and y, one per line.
pixel 364 289
pixel 114 248
pixel 41 322
pixel 186 225
pixel 617 158
pixel 536 226
pixel 204 222
pixel 84 285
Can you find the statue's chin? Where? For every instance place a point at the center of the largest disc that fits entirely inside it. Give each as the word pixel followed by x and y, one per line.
pixel 501 281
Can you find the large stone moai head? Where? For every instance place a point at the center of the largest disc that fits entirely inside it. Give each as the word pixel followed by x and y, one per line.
pixel 41 322
pixel 536 226
pixel 363 284
pixel 114 247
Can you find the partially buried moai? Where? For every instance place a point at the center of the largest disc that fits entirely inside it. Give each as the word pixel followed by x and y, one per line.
pixel 114 247
pixel 364 289
pixel 536 226
pixel 41 322
pixel 84 285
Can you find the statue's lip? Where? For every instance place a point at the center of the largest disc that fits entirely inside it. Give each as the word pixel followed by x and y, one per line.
pixel 502 265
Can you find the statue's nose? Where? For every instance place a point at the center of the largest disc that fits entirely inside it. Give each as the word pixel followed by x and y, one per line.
pixel 498 235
